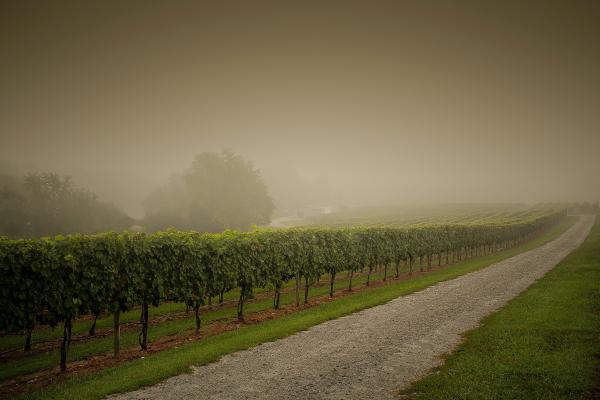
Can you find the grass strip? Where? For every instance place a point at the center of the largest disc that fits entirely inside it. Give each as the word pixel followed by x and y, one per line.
pixel 541 345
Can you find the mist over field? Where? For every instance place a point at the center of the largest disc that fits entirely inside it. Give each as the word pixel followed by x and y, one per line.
pixel 343 104
pixel 272 195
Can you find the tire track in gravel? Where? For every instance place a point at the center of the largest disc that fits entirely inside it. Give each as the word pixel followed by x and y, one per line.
pixel 374 352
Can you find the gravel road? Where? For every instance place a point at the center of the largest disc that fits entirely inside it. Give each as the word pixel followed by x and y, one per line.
pixel 372 353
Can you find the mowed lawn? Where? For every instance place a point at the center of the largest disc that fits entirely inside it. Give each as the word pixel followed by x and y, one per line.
pixel 545 344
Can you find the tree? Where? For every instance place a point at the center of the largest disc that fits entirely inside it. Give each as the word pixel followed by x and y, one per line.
pixel 218 192
pixel 48 204
pixel 13 213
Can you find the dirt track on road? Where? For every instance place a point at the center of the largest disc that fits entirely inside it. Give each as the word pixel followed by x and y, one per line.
pixel 372 353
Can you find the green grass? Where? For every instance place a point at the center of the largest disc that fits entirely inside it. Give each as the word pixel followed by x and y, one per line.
pixel 41 334
pixel 543 345
pixel 140 372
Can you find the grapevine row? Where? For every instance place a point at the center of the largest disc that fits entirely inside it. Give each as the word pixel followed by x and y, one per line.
pixel 55 280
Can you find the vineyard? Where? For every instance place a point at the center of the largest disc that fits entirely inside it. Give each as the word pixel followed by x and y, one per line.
pixel 101 289
pixel 423 215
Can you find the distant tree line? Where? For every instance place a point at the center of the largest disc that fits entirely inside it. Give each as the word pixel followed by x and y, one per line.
pixel 45 204
pixel 219 191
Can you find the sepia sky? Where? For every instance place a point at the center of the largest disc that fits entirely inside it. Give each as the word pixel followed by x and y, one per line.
pixel 336 102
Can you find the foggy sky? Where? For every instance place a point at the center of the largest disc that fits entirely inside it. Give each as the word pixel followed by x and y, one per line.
pixel 350 102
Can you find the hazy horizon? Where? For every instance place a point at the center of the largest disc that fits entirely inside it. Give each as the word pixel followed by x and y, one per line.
pixel 354 103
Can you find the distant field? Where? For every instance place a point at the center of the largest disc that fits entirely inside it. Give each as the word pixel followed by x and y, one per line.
pixel 415 215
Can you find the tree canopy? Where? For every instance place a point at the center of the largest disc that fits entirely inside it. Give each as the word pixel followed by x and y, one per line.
pixel 48 204
pixel 219 191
